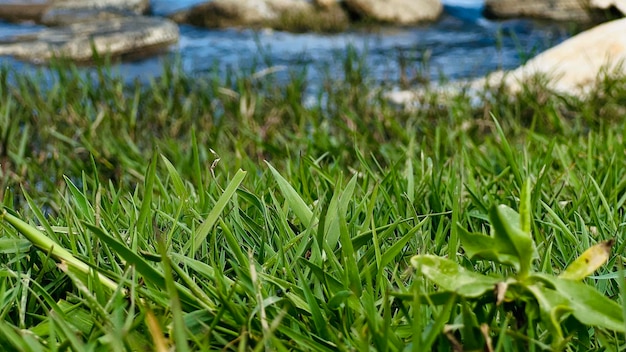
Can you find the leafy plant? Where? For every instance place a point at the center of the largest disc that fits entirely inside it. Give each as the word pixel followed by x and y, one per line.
pixel 560 305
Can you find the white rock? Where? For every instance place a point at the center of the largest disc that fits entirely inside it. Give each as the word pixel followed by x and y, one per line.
pixel 572 68
pixel 574 65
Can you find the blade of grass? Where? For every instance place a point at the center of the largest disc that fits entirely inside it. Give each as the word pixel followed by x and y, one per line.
pixel 47 245
pixel 180 333
pixel 299 207
pixel 177 181
pixel 146 203
pixel 203 230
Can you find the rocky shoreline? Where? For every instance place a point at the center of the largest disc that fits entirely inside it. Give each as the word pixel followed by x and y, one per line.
pixel 123 29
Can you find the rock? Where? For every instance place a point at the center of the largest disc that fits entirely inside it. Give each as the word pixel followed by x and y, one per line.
pixel 127 37
pixel 62 12
pixel 21 11
pixel 560 10
pixel 573 67
pixel 620 5
pixel 278 14
pixel 396 11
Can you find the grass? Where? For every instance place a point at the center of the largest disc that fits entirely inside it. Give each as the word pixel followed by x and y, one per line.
pixel 212 213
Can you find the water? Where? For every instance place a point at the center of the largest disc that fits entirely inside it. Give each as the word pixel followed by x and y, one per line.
pixel 460 45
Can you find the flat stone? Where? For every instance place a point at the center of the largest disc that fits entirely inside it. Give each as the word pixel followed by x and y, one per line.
pixel 126 37
pixel 62 12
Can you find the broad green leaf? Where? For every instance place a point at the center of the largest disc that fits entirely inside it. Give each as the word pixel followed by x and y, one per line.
pixel 494 248
pixel 584 302
pixel 450 276
pixel 507 222
pixel 508 243
pixel 588 262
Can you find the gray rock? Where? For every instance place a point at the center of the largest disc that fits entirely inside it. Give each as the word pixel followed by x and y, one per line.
pixel 396 11
pixel 127 37
pixel 62 12
pixel 561 10
pixel 281 14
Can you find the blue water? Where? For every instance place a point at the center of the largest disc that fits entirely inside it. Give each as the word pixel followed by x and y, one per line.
pixel 460 45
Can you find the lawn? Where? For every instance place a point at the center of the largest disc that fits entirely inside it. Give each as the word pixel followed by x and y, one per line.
pixel 205 212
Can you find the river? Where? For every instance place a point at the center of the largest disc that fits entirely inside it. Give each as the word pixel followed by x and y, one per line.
pixel 461 44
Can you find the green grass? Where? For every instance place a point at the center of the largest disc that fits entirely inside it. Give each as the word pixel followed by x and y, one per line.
pixel 207 213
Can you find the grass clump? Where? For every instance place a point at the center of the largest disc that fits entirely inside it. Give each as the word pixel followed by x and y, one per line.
pixel 224 213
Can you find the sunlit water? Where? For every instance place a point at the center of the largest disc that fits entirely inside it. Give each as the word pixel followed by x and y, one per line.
pixel 460 45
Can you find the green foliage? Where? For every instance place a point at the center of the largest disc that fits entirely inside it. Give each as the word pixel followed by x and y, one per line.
pixel 129 223
pixel 511 243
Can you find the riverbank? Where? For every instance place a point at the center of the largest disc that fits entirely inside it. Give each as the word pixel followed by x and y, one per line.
pixel 452 48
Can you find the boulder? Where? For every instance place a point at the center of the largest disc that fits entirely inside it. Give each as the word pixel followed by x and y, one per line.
pixel 396 11
pixel 573 67
pixel 560 10
pixel 293 15
pixel 62 12
pixel 22 11
pixel 127 37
